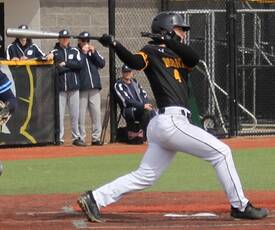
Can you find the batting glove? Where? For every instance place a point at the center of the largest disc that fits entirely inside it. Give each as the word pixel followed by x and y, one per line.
pixel 107 40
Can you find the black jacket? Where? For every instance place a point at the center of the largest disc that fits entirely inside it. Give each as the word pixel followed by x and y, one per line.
pixel 131 95
pixel 89 75
pixel 30 50
pixel 68 75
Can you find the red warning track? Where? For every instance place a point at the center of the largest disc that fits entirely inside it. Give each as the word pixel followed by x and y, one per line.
pixel 26 153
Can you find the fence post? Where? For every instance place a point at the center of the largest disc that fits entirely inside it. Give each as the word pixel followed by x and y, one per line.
pixel 112 71
pixel 231 20
pixel 164 5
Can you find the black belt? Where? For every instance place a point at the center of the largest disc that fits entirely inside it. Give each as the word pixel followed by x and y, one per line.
pixel 182 111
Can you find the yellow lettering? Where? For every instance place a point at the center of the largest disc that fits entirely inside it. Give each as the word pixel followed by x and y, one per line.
pixel 173 62
pixel 177 75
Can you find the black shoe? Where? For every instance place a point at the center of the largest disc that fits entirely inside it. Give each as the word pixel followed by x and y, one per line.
pixel 98 143
pixel 88 205
pixel 250 212
pixel 59 143
pixel 79 142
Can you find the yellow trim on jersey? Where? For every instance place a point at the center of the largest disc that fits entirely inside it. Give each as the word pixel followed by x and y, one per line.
pixel 25 62
pixel 145 58
pixel 24 127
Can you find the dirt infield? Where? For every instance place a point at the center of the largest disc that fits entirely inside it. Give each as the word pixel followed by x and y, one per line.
pixel 144 210
pixel 188 210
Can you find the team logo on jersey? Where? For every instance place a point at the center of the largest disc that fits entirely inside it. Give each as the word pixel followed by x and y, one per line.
pixel 161 50
pixel 29 52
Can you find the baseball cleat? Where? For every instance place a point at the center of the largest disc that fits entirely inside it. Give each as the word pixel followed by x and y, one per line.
pixel 88 205
pixel 250 212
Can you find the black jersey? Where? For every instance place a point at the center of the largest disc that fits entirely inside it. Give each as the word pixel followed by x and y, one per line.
pixel 167 75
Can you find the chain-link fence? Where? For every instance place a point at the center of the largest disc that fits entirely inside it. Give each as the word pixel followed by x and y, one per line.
pixel 132 18
pixel 256 68
pixel 210 79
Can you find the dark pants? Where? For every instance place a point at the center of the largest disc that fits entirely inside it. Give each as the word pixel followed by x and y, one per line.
pixel 137 121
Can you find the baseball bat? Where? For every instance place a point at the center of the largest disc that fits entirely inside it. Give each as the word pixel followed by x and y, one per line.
pixel 23 33
pixel 105 120
pixel 38 34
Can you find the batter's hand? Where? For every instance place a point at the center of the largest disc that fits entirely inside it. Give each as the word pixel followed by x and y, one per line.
pixel 107 40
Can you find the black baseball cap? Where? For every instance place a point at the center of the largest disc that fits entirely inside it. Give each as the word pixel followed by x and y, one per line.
pixel 23 27
pixel 84 36
pixel 126 68
pixel 64 34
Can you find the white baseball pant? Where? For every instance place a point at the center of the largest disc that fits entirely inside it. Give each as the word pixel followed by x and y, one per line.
pixel 72 99
pixel 90 99
pixel 169 133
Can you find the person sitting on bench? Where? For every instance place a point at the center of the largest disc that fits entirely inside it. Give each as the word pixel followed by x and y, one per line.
pixel 135 106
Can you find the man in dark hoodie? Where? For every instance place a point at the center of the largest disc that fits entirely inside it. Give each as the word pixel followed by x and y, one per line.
pixel 23 49
pixel 90 86
pixel 135 106
pixel 68 64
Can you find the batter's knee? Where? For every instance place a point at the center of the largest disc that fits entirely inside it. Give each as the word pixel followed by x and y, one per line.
pixel 222 153
pixel 145 177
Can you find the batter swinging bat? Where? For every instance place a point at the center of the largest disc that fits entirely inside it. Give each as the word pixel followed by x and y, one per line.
pixel 23 33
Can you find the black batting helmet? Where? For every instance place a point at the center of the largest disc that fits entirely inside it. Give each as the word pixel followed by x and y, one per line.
pixel 165 21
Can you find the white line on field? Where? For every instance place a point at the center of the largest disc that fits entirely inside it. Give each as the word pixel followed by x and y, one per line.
pixel 200 214
pixel 183 226
pixel 66 210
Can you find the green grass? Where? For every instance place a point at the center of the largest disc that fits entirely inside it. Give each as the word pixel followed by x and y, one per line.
pixel 186 173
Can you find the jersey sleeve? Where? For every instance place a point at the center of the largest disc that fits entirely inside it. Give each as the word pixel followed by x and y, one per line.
pixel 145 56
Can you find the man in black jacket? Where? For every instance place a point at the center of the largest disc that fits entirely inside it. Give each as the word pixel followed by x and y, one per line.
pixel 90 86
pixel 68 64
pixel 134 104
pixel 23 48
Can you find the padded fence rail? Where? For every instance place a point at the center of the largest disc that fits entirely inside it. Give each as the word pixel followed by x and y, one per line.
pixel 34 121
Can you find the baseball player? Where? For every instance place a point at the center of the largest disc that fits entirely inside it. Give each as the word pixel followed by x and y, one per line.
pixel 90 86
pixel 23 49
pixel 166 61
pixel 68 65
pixel 8 102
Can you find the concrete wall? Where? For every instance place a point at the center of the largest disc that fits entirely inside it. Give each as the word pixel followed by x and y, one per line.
pixel 22 12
